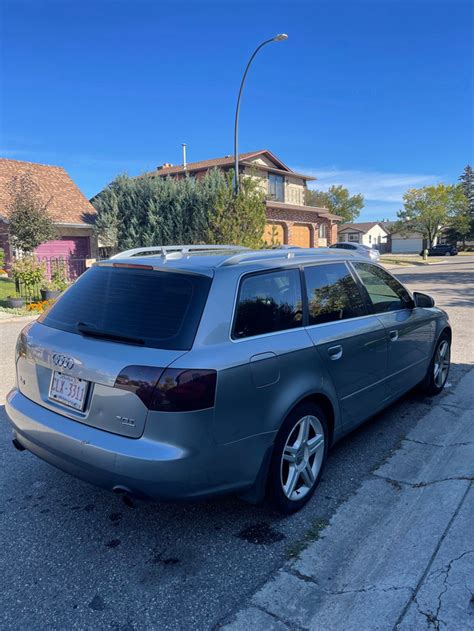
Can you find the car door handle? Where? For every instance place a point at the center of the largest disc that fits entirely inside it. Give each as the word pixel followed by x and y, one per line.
pixel 393 335
pixel 335 352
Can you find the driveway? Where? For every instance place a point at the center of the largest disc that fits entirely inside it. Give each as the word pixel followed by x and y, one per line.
pixel 74 556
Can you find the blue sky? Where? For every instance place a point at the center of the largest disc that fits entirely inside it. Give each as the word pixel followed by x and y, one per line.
pixel 375 95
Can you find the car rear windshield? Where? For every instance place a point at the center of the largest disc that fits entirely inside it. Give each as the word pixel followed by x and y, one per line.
pixel 145 307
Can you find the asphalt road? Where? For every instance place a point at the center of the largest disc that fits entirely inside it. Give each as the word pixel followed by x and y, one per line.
pixel 73 556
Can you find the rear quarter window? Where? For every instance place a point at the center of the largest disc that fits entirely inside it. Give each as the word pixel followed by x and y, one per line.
pixel 163 309
pixel 267 303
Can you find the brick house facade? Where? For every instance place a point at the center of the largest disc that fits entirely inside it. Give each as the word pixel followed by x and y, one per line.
pixel 289 220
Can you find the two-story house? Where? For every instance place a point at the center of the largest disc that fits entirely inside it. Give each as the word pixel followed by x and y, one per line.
pixel 289 220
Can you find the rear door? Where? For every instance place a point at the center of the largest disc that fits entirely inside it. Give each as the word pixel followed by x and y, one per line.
pixel 267 359
pixel 350 343
pixel 409 330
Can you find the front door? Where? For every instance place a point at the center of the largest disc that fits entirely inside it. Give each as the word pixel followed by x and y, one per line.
pixel 410 330
pixel 350 343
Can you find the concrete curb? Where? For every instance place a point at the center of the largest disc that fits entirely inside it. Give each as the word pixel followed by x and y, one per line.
pixel 396 555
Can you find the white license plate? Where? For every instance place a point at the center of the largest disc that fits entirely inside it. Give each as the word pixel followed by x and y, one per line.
pixel 68 390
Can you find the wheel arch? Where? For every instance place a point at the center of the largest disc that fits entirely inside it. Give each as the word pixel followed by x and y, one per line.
pixel 448 331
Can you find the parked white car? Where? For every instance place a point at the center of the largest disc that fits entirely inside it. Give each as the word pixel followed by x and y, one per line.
pixel 363 250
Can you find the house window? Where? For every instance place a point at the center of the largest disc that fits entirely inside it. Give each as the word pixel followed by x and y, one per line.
pixel 323 231
pixel 370 238
pixel 276 187
pixel 353 236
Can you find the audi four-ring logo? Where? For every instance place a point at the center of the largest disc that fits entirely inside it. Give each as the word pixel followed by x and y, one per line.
pixel 63 361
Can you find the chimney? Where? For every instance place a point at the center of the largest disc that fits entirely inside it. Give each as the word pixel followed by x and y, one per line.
pixel 183 144
pixel 166 165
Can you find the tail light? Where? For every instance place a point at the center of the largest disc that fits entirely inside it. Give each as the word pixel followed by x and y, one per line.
pixel 171 389
pixel 20 350
pixel 22 342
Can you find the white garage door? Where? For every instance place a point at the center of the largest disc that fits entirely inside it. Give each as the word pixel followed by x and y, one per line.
pixel 407 246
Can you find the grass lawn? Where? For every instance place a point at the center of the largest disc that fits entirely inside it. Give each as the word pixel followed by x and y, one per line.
pixel 7 288
pixel 402 259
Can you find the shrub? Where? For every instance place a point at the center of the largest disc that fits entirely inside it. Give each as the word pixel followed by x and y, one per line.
pixel 28 272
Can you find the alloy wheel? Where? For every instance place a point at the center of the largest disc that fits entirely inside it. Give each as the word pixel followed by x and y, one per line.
pixel 441 363
pixel 302 457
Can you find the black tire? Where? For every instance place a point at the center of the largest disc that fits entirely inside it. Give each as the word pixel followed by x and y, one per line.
pixel 433 385
pixel 293 424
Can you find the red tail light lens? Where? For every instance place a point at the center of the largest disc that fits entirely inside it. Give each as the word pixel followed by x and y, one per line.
pixel 141 380
pixel 20 350
pixel 170 390
pixel 181 390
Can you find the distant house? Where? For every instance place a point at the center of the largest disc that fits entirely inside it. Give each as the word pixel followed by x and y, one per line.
pixel 289 220
pixel 371 233
pixel 71 212
pixel 412 243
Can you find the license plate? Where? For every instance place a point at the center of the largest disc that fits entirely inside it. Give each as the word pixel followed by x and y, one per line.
pixel 70 391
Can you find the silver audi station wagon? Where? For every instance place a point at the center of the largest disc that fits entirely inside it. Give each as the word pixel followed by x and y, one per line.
pixel 184 372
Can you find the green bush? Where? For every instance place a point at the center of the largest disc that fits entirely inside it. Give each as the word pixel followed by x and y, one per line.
pixel 28 272
pixel 146 211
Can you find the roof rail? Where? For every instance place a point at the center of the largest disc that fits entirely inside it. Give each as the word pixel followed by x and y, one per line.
pixel 163 250
pixel 286 253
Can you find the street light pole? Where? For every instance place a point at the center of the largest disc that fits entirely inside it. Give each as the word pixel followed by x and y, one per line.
pixel 278 38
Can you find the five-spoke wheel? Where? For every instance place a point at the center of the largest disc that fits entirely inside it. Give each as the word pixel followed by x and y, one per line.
pixel 438 370
pixel 302 457
pixel 298 457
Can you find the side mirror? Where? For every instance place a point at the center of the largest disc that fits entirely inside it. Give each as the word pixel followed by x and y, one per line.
pixel 423 300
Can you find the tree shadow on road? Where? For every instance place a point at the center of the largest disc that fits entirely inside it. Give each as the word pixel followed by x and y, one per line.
pixel 452 281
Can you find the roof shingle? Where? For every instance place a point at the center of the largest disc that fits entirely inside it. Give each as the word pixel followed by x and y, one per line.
pixel 226 161
pixel 67 205
pixel 360 227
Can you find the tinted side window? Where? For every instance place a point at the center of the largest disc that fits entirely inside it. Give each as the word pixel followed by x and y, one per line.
pixel 267 303
pixel 385 292
pixel 332 294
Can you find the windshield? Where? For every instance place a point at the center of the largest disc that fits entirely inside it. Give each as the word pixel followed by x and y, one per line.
pixel 135 306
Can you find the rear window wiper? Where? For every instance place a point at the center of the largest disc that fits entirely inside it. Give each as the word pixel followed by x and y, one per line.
pixel 88 329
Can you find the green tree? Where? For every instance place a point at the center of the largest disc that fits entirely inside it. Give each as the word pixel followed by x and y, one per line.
pixel 428 210
pixel 29 224
pixel 238 219
pixel 145 211
pixel 461 222
pixel 338 201
pixel 467 184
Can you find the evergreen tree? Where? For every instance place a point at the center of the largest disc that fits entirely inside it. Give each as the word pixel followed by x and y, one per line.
pixel 145 211
pixel 467 184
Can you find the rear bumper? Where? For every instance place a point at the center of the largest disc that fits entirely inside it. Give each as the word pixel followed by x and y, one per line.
pixel 145 468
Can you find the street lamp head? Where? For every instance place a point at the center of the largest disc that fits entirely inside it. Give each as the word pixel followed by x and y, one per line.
pixel 280 37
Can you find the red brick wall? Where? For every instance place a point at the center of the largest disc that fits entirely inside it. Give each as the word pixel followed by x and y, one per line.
pixel 289 217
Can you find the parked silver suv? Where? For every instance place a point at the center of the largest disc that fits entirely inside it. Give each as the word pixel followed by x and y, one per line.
pixel 175 373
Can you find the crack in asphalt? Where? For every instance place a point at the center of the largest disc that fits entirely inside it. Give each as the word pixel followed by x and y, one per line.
pixel 426 573
pixel 308 579
pixel 417 485
pixel 421 442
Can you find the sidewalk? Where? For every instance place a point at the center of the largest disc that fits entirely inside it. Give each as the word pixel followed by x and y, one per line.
pixel 397 555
